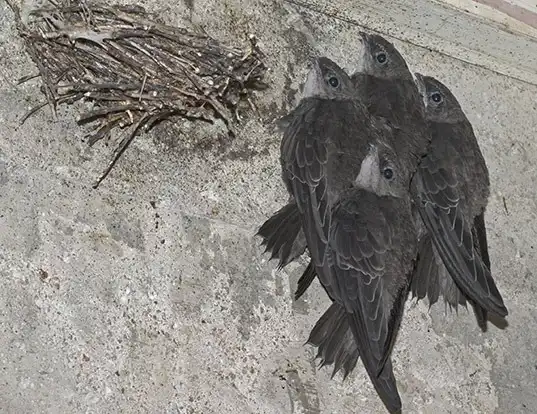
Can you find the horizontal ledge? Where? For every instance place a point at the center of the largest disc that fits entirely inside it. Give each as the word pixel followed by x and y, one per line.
pixel 440 27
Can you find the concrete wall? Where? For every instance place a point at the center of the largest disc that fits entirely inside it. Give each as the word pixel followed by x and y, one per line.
pixel 151 295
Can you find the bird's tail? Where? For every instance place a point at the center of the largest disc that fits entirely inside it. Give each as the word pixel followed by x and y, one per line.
pixel 336 345
pixel 333 338
pixel 283 236
pixel 432 279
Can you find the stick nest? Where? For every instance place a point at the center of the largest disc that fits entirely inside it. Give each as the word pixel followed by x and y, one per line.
pixel 136 72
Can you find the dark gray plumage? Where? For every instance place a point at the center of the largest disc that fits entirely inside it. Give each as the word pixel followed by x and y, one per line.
pixel 370 258
pixel 282 233
pixel 387 88
pixel 453 188
pixel 332 333
pixel 385 84
pixel 389 92
pixel 327 164
pixel 452 183
pixel 324 145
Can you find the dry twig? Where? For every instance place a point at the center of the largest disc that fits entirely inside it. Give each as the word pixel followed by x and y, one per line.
pixel 135 72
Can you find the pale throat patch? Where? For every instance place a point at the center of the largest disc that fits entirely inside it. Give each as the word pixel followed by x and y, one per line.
pixel 369 175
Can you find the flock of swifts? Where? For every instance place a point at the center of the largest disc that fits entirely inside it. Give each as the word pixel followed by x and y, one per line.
pixel 388 190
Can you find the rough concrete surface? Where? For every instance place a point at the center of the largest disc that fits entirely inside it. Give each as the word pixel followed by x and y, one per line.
pixel 151 294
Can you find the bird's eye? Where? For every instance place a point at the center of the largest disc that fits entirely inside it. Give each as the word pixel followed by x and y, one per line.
pixel 387 173
pixel 436 97
pixel 381 58
pixel 333 81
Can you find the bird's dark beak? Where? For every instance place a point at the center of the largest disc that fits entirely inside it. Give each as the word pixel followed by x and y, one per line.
pixel 363 36
pixel 313 63
pixel 314 70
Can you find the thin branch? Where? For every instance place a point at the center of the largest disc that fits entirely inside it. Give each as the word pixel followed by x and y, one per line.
pixel 120 149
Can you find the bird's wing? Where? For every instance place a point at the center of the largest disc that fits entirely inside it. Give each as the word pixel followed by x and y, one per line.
pixel 336 345
pixel 431 278
pixel 441 209
pixel 479 233
pixel 362 250
pixel 304 153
